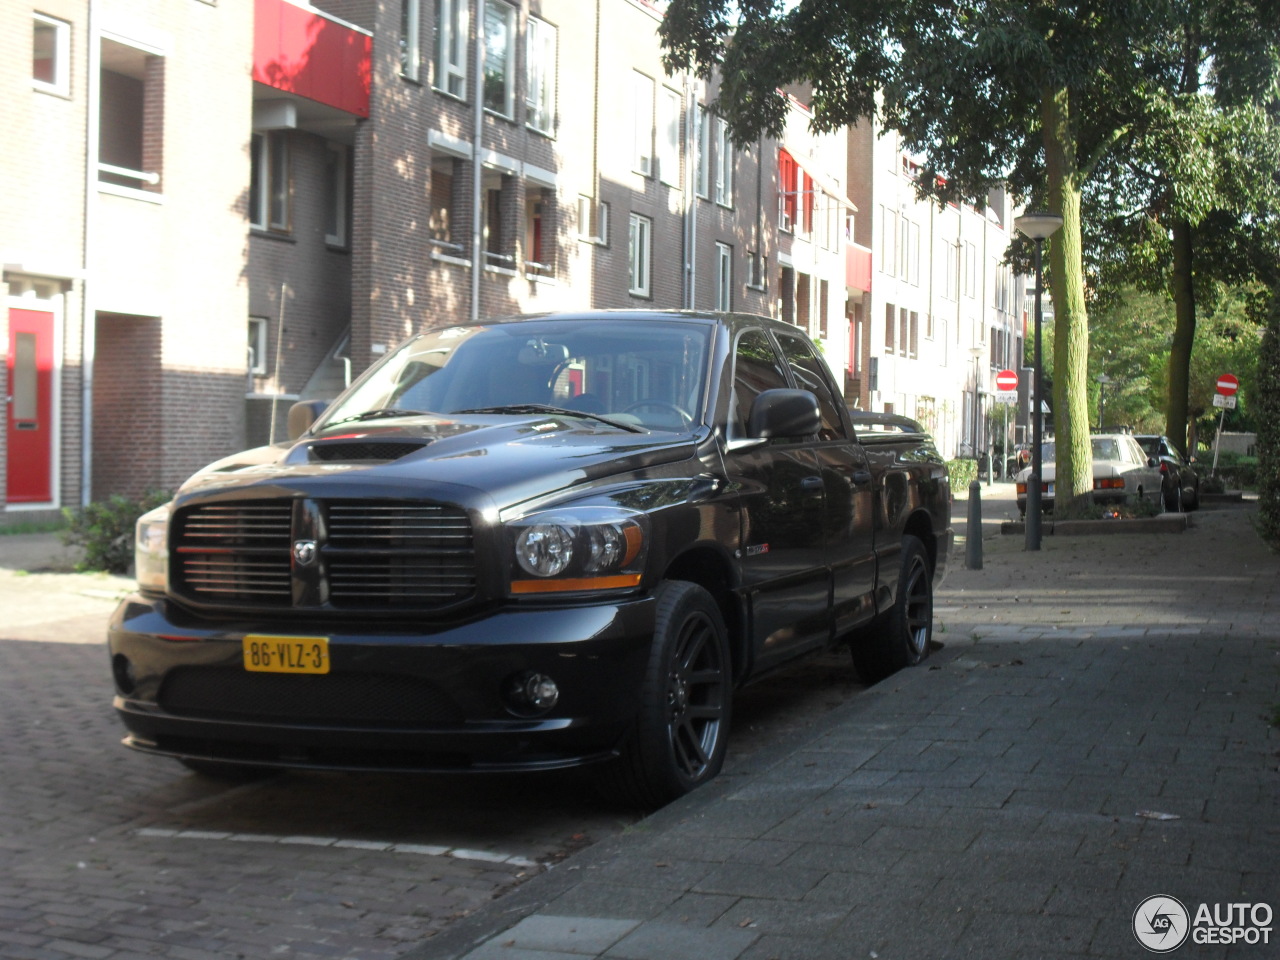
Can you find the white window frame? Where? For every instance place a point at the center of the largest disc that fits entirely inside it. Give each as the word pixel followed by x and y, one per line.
pixel 336 193
pixel 61 83
pixel 508 13
pixel 451 48
pixel 593 227
pixel 669 110
pixel 268 146
pixel 257 346
pixel 702 182
pixel 540 56
pixel 724 276
pixel 410 39
pixel 642 124
pixel 639 248
pixel 724 165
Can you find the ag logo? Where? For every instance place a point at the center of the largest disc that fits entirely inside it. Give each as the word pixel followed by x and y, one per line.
pixel 304 552
pixel 1161 924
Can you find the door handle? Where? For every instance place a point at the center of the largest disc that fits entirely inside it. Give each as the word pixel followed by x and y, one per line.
pixel 861 476
pixel 811 486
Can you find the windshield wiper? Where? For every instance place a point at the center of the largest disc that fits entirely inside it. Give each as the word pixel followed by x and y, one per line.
pixel 517 408
pixel 378 414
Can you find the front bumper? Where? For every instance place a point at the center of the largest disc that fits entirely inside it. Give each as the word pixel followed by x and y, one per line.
pixel 395 698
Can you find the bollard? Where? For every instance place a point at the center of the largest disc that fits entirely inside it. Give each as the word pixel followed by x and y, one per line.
pixel 973 532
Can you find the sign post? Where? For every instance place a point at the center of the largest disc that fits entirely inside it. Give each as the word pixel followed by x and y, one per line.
pixel 1006 395
pixel 1224 400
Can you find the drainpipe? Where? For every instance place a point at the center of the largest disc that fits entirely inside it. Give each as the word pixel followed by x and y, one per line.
pixel 88 331
pixel 477 167
pixel 686 186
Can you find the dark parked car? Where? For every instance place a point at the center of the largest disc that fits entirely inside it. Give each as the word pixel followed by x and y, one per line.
pixel 1181 482
pixel 531 543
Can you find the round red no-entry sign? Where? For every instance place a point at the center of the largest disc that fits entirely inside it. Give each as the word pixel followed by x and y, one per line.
pixel 1006 380
pixel 1228 384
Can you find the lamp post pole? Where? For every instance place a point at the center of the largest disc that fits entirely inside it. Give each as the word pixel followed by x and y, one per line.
pixel 1037 226
pixel 1103 380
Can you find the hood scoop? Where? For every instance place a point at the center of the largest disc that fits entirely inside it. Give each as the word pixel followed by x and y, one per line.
pixel 347 451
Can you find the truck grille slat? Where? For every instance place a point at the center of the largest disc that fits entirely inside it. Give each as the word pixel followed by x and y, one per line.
pixel 374 554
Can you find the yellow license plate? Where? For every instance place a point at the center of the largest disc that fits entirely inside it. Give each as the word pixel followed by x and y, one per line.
pixel 270 654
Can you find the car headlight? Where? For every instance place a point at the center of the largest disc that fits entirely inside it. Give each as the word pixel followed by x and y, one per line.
pixel 151 550
pixel 578 548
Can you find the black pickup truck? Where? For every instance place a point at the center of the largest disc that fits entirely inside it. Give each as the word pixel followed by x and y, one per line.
pixel 531 543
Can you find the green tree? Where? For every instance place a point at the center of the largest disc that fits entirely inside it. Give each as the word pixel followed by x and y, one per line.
pixel 1268 421
pixel 1193 199
pixel 1033 94
pixel 1036 94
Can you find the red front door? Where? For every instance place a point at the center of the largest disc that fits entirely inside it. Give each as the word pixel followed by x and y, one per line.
pixel 30 420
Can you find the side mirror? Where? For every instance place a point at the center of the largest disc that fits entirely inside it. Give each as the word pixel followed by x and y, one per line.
pixel 303 414
pixel 1152 462
pixel 784 413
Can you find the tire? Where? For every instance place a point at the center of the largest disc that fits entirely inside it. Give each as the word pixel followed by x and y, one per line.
pixel 1192 502
pixel 1173 499
pixel 901 637
pixel 682 729
pixel 227 772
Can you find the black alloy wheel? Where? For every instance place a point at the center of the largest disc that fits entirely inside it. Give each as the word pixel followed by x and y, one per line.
pixel 901 636
pixel 682 730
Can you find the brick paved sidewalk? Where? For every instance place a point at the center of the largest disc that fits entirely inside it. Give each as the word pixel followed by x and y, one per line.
pixel 1095 732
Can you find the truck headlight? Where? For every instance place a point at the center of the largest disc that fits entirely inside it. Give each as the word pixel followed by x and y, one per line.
pixel 579 548
pixel 151 550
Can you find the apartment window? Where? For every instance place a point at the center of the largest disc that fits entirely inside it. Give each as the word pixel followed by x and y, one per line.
pixel 889 241
pixel 914 349
pixel 593 221
pixel 540 232
pixel 496 196
pixel 890 322
pixel 970 271
pixel 131 110
pixel 824 298
pixel 642 124
pixel 499 58
pixel 703 133
pixel 337 192
pixel 410 47
pixel 787 207
pixel 724 165
pixel 950 255
pixel 724 276
pixel 270 196
pixel 904 331
pixel 640 241
pixel 757 267
pixel 445 224
pixel 51 55
pixel 806 203
pixel 540 49
pixel 258 346
pixel 669 102
pixel 451 47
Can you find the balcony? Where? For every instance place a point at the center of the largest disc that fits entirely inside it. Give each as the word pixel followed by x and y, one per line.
pixel 307 57
pixel 857 273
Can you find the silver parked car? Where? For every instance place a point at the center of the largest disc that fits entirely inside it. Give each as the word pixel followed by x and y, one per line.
pixel 1122 473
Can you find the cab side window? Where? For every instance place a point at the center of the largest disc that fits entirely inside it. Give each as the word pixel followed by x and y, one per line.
pixel 807 368
pixel 756 368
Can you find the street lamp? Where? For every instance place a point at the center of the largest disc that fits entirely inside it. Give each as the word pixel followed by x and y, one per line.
pixel 1103 380
pixel 978 438
pixel 1038 226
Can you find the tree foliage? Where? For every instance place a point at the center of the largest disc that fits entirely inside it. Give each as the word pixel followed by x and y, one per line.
pixel 1047 97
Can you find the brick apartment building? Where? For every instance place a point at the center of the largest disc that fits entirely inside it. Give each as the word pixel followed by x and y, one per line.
pixel 336 176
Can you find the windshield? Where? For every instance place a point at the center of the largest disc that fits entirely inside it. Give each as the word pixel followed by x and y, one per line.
pixel 1104 448
pixel 650 374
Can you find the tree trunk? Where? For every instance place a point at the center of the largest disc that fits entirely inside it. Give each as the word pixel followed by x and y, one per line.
pixel 1184 335
pixel 1074 472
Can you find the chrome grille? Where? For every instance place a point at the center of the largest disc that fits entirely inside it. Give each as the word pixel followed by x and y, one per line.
pixel 235 552
pixel 408 554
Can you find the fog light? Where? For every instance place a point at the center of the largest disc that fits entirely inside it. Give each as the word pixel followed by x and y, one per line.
pixel 122 669
pixel 531 694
